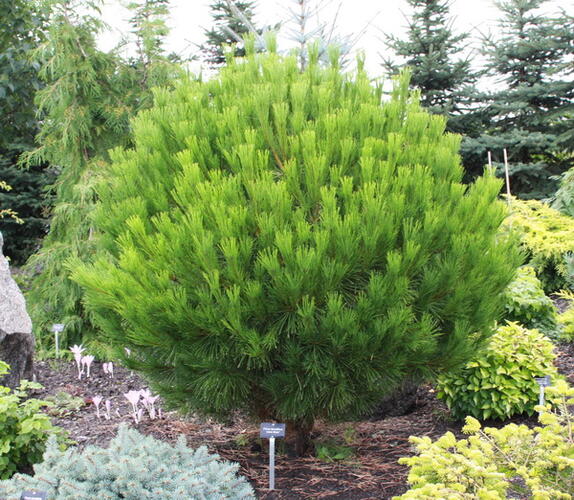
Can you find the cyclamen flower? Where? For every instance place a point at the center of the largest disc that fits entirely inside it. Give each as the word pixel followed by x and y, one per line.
pixel 108 409
pixel 148 401
pixel 77 350
pixel 87 360
pixel 133 397
pixel 108 368
pixel 97 400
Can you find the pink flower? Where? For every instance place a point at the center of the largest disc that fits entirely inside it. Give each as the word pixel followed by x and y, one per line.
pixel 77 350
pixel 87 360
pixel 133 397
pixel 108 368
pixel 97 400
pixel 148 401
pixel 108 409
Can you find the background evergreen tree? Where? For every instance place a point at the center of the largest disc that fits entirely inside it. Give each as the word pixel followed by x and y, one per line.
pixel 228 27
pixel 87 101
pixel 527 116
pixel 311 26
pixel 440 71
pixel 21 30
pixel 282 242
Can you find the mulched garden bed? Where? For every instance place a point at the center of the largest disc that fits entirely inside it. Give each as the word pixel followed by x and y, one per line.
pixel 372 472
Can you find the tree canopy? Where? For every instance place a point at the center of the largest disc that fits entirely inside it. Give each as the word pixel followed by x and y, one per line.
pixel 283 242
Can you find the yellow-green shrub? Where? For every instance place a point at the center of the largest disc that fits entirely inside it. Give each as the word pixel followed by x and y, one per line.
pixel 547 237
pixel 500 381
pixel 495 464
pixel 527 304
pixel 24 429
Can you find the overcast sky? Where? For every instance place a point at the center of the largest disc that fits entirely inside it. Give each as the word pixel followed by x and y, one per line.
pixel 189 18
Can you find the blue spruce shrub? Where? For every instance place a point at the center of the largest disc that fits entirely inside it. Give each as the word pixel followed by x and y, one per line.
pixel 133 466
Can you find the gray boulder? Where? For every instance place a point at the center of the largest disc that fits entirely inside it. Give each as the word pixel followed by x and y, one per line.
pixel 16 339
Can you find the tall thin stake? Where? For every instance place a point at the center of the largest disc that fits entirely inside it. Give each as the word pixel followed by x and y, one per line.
pixel 507 176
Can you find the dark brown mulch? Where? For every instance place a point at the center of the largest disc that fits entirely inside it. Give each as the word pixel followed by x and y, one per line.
pixel 372 473
pixel 565 360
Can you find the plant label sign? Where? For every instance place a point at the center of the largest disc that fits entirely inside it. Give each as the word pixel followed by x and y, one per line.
pixel 544 381
pixel 271 431
pixel 268 430
pixel 34 495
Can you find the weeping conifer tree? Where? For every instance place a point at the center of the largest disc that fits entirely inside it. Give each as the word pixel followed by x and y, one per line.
pixel 88 99
pixel 283 242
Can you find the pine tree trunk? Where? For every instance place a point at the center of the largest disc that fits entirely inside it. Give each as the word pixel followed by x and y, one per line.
pixel 298 437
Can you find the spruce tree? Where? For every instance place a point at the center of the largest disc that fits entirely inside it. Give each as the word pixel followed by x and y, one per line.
pixel 228 29
pixel 88 98
pixel 21 30
pixel 287 243
pixel 310 27
pixel 527 116
pixel 441 72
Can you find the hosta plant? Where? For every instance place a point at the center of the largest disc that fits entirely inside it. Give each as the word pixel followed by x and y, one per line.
pixel 132 466
pixel 24 429
pixel 526 303
pixel 500 381
pixel 495 464
pixel 290 243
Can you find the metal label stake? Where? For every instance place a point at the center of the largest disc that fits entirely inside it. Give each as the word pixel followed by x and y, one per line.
pixel 272 463
pixel 57 328
pixel 272 431
pixel 543 382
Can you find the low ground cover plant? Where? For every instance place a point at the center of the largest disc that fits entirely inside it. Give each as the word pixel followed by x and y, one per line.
pixel 132 466
pixel 291 244
pixel 495 464
pixel 63 404
pixel 24 429
pixel 527 304
pixel 547 237
pixel 500 381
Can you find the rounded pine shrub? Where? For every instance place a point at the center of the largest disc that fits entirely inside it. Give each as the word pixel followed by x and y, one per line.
pixel 133 466
pixel 290 243
pixel 527 304
pixel 500 381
